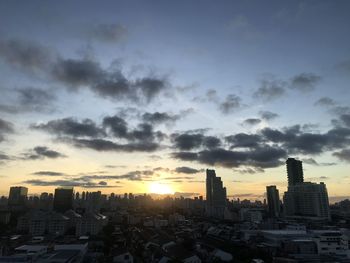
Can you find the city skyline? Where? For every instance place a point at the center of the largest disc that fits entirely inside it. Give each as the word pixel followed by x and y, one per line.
pixel 127 97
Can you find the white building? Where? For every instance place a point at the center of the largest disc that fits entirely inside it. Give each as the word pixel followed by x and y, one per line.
pixel 331 242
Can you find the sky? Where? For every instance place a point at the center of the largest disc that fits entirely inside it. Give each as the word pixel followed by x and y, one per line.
pixel 143 96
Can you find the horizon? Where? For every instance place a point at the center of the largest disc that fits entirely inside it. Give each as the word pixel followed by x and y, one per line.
pixel 144 96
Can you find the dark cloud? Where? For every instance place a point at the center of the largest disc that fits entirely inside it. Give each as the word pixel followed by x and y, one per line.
pixel 345 118
pixel 107 145
pixel 76 73
pixel 187 170
pixel 344 66
pixel 118 126
pixel 188 141
pixel 6 127
pixel 231 104
pixel 71 127
pixel 185 156
pixel 29 100
pixel 244 140
pixel 136 175
pixel 48 173
pixel 325 101
pixel 251 121
pixel 25 55
pixel 160 117
pixel 84 73
pixel 343 155
pixel 185 195
pixel 4 156
pixel 68 183
pixel 41 152
pixel 268 115
pixel 270 89
pixel 87 134
pixel 249 170
pixel 266 157
pixel 296 141
pixel 304 82
pixel 312 161
pixel 109 32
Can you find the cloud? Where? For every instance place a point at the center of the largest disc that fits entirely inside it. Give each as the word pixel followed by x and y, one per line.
pixel 266 157
pixel 185 195
pixel 243 140
pixel 249 170
pixel 343 155
pixel 6 127
pixel 87 134
pixel 69 183
pixel 109 32
pixel 296 141
pixel 187 170
pixel 304 82
pixel 270 89
pixel 343 66
pixel 160 117
pixel 268 115
pixel 107 145
pixel 312 161
pixel 325 101
pixel 137 175
pixel 26 55
pixel 230 104
pixel 48 173
pixel 268 148
pixel 75 74
pixel 71 127
pixel 251 121
pixel 29 100
pixel 345 118
pixel 187 141
pixel 41 152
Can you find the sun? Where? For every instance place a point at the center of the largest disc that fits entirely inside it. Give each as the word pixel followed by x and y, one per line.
pixel 157 188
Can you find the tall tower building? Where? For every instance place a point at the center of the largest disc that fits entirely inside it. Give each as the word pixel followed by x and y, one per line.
pixel 273 200
pixel 17 198
pixel 63 199
pixel 294 171
pixel 215 194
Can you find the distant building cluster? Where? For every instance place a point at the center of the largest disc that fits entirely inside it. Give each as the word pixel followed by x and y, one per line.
pixel 69 226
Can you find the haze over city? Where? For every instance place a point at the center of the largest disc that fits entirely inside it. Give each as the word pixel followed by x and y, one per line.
pixel 144 96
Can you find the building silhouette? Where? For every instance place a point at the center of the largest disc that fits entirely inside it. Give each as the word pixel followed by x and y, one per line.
pixel 63 199
pixel 294 171
pixel 215 195
pixel 307 200
pixel 273 200
pixel 304 199
pixel 17 198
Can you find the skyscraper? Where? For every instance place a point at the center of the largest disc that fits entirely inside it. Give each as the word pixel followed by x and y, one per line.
pixel 294 171
pixel 216 195
pixel 63 199
pixel 17 198
pixel 273 200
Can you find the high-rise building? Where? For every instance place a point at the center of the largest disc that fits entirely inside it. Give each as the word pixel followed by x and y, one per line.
pixel 63 199
pixel 216 195
pixel 294 171
pixel 273 200
pixel 17 198
pixel 307 200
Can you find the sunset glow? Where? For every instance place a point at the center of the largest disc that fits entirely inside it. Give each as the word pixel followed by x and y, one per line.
pixel 162 189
